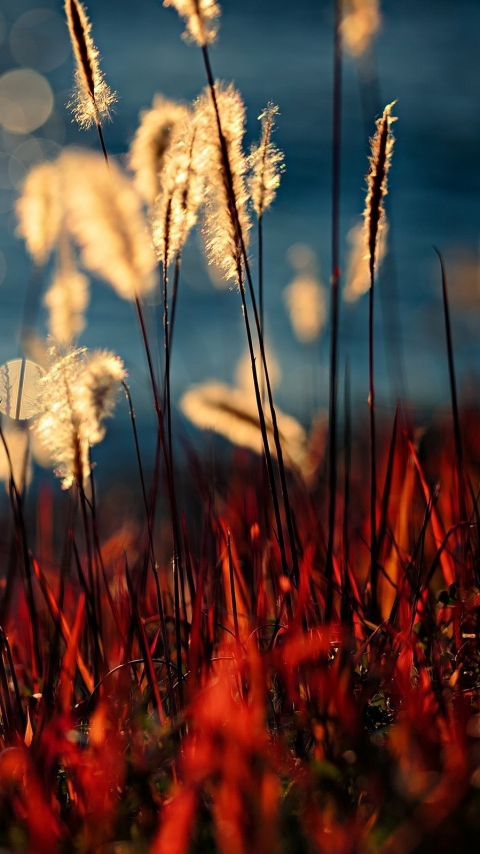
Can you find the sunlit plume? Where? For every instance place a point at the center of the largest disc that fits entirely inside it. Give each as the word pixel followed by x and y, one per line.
pixel 233 413
pixel 77 393
pixel 20 464
pixel 39 211
pixel 380 159
pixel 306 302
pixel 243 372
pixel 358 272
pixel 360 24
pixel 105 217
pixel 150 144
pixel 92 99
pixel 266 163
pixel 226 218
pixel 201 17
pixel 182 192
pixel 66 299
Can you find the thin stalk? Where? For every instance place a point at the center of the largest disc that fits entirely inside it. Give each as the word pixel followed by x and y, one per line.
pixel 334 301
pixel 373 452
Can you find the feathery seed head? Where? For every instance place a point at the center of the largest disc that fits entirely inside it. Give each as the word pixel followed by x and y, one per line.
pixel 78 392
pixel 380 159
pixel 150 144
pixel 358 272
pixel 92 98
pixel 306 301
pixel 183 185
pixel 201 17
pixel 233 413
pixel 39 211
pixel 104 215
pixel 266 162
pixel 226 214
pixel 361 22
pixel 66 298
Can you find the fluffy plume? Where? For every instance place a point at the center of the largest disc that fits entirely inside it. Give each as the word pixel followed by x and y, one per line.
pixel 105 218
pixel 243 372
pixel 92 98
pixel 39 211
pixel 201 17
pixel 66 299
pixel 20 464
pixel 358 272
pixel 233 413
pixel 221 233
pixel 306 302
pixel 361 22
pixel 150 144
pixel 266 163
pixel 78 392
pixel 374 215
pixel 182 193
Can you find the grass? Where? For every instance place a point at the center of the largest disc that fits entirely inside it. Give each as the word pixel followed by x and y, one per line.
pixel 264 663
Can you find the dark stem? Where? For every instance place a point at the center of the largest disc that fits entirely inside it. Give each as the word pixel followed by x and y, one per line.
pixel 334 301
pixel 373 457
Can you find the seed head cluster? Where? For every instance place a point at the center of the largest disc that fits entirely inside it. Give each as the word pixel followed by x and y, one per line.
pixel 201 17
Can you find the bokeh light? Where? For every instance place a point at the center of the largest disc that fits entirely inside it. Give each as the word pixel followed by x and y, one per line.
pixel 39 40
pixel 26 100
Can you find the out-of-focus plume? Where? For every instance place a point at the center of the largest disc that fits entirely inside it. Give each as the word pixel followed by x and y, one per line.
pixel 266 163
pixel 380 159
pixel 306 302
pixel 20 464
pixel 92 98
pixel 243 372
pixel 66 299
pixel 183 184
pixel 361 22
pixel 305 296
pixel 105 218
pixel 358 272
pixel 201 17
pixel 39 211
pixel 77 393
pixel 222 239
pixel 233 413
pixel 150 144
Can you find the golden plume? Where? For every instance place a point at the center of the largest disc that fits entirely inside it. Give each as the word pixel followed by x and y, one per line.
pixel 266 162
pixel 92 99
pixel 201 17
pixel 380 159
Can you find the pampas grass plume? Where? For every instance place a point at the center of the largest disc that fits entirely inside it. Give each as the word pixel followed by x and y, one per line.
pixel 380 159
pixel 266 163
pixel 201 17
pixel 307 306
pixel 39 211
pixel 92 99
pixel 360 24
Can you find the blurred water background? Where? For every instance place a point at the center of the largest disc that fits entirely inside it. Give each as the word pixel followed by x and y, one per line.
pixel 426 56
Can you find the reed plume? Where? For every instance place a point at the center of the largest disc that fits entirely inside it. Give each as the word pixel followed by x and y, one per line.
pixel 77 393
pixel 39 211
pixel 232 413
pixel 183 184
pixel 380 159
pixel 201 17
pixel 360 24
pixel 67 298
pixel 104 215
pixel 150 144
pixel 266 162
pixel 358 269
pixel 307 306
pixel 221 228
pixel 92 99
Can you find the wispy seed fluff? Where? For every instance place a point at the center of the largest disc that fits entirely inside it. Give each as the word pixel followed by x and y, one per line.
pixel 358 272
pixel 66 299
pixel 266 162
pixel 150 144
pixel 182 192
pixel 77 393
pixel 380 159
pixel 361 22
pixel 39 211
pixel 92 99
pixel 201 17
pixel 222 239
pixel 104 215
